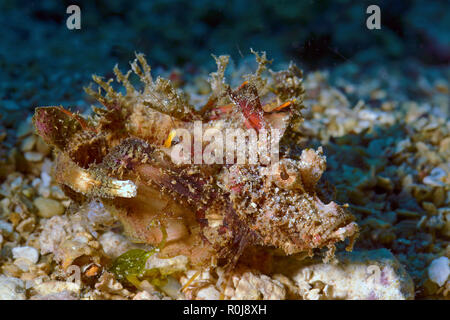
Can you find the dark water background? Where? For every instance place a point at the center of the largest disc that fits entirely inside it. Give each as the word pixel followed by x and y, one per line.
pixel 44 63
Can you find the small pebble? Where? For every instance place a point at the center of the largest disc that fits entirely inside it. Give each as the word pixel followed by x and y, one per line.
pixel 53 287
pixel 29 253
pixel 33 156
pixel 429 207
pixel 444 146
pixel 439 270
pixel 435 178
pixel 6 227
pixel 36 182
pixel 439 197
pixel 28 143
pixel 23 264
pixel 208 293
pixel 48 208
pixel 28 192
pixel 57 193
pixel 45 179
pixel 11 288
pixel 16 183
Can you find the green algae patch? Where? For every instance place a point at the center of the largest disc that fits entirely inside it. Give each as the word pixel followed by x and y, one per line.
pixel 131 264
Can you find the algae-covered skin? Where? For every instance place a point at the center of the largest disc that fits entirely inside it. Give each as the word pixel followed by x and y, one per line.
pixel 210 213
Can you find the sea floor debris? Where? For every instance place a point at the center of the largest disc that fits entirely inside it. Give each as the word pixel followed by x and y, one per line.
pixel 387 157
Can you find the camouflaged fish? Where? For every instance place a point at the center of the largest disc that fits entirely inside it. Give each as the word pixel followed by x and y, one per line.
pixel 211 213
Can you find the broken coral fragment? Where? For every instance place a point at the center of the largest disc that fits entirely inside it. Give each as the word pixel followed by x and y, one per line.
pixel 359 275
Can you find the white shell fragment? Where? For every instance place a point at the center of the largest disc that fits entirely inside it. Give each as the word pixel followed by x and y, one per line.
pixel 439 270
pixel 435 178
pixel 11 288
pixel 29 253
pixel 358 275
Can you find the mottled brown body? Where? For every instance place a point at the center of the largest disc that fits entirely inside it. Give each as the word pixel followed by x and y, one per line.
pixel 210 213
